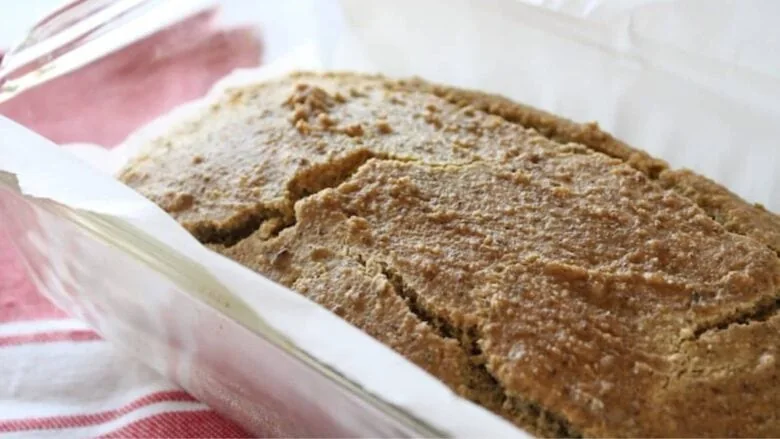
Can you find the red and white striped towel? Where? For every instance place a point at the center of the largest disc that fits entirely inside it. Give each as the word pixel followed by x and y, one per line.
pixel 57 377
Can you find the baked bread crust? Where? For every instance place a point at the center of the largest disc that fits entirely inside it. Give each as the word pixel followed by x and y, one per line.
pixel 539 267
pixel 728 209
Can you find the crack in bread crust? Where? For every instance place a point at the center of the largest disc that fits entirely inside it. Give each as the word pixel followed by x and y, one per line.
pixel 519 410
pixel 306 183
pixel 760 313
pixel 271 221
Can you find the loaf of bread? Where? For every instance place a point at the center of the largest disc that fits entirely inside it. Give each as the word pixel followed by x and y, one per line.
pixel 540 268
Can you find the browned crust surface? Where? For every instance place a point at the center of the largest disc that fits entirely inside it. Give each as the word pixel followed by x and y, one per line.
pixel 574 290
pixel 728 209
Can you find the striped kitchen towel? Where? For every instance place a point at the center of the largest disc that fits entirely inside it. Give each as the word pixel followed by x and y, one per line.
pixel 57 377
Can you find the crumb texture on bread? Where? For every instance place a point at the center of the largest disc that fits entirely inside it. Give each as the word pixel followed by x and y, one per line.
pixel 541 268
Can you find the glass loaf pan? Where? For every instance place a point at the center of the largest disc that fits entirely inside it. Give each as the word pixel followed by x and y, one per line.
pixel 282 366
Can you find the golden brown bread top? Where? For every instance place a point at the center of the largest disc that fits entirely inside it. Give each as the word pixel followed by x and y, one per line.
pixel 728 209
pixel 272 138
pixel 567 290
pixel 255 172
pixel 580 285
